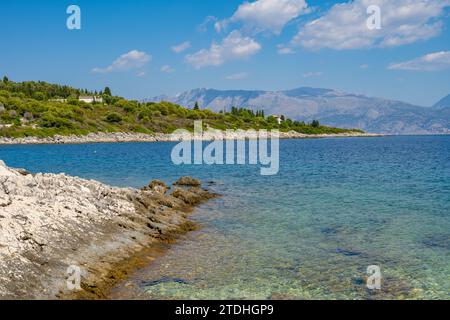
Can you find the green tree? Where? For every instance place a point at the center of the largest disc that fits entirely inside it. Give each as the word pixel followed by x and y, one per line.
pixel 107 92
pixel 196 107
pixel 5 79
pixel 315 124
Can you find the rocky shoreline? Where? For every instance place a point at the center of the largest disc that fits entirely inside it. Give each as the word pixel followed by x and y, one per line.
pixel 103 137
pixel 52 222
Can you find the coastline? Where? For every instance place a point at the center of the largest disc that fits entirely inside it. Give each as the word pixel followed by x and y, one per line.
pixel 117 137
pixel 51 222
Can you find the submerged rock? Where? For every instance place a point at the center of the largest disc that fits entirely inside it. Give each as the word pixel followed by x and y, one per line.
pixel 163 280
pixel 441 241
pixel 329 230
pixel 348 253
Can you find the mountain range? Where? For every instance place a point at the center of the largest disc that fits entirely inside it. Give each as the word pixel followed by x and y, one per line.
pixel 443 103
pixel 330 107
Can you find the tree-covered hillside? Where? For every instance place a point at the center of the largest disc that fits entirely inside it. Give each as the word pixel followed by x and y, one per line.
pixel 43 109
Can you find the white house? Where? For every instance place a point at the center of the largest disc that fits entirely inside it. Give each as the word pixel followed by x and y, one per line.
pixel 90 99
pixel 278 118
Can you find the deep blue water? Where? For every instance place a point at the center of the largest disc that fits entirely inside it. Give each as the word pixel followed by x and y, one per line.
pixel 336 207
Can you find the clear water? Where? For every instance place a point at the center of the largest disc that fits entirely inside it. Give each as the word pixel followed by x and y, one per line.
pixel 310 232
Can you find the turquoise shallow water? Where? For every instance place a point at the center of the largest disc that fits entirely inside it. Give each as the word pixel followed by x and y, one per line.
pixel 336 207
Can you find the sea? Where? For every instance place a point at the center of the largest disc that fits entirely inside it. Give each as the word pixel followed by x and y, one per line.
pixel 338 209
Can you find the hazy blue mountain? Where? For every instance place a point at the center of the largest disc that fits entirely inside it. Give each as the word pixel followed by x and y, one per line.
pixel 443 103
pixel 331 107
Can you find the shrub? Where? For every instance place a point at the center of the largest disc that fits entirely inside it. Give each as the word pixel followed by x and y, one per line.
pixel 163 109
pixel 146 120
pixel 49 120
pixel 39 96
pixel 145 113
pixel 129 107
pixel 113 117
pixel 72 101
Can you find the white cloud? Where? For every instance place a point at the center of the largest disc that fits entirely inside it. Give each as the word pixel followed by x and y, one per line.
pixel 204 26
pixel 167 69
pixel 237 76
pixel 132 60
pixel 282 49
pixel 344 26
pixel 233 47
pixel 141 74
pixel 364 66
pixel 181 47
pixel 431 62
pixel 312 74
pixel 265 15
pixel 221 25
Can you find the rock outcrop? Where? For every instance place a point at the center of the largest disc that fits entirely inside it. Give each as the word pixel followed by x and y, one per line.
pixel 49 222
pixel 188 181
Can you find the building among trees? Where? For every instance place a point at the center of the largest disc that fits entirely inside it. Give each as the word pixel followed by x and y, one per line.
pixel 90 99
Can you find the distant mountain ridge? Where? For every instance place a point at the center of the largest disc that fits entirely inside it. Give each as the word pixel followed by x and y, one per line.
pixel 331 107
pixel 443 103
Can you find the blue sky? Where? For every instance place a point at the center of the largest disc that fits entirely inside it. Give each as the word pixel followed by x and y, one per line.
pixel 146 48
